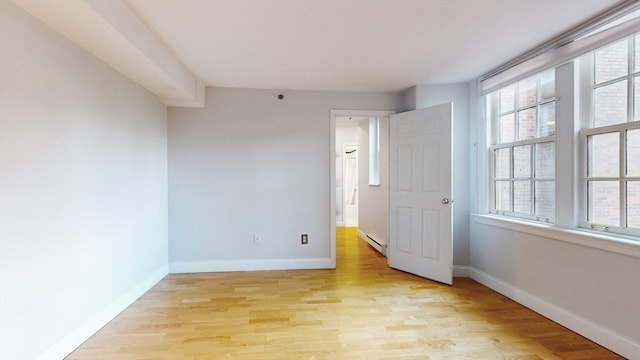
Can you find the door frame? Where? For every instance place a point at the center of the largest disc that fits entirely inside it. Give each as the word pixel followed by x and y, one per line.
pixel 332 166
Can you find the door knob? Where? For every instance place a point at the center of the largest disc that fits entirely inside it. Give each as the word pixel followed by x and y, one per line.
pixel 445 201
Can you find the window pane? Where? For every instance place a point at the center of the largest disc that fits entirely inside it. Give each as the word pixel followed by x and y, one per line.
pixel 633 152
pixel 527 91
pixel 604 202
pixel 374 151
pixel 503 196
pixel 547 119
pixel 507 128
pixel 612 62
pixel 636 99
pixel 545 160
pixel 522 197
pixel 527 124
pixel 603 155
pixel 503 159
pixel 633 204
pixel 545 195
pixel 507 99
pixel 610 104
pixel 522 161
pixel 547 84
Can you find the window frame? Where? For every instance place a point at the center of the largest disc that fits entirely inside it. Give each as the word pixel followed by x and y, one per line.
pixel 571 108
pixel 622 178
pixel 586 89
pixel 493 112
pixel 374 151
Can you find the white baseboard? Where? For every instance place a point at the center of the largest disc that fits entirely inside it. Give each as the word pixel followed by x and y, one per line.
pixel 582 326
pixel 249 265
pixel 69 343
pixel 463 271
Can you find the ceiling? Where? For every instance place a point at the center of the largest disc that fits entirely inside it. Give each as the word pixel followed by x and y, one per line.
pixel 337 45
pixel 354 45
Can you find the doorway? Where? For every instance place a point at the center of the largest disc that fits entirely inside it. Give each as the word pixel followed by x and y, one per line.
pixel 413 208
pixel 350 141
pixel 347 171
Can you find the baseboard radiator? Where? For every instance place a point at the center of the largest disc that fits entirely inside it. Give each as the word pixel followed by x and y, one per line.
pixel 376 244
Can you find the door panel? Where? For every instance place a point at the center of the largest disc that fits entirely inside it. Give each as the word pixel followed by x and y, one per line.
pixel 403 232
pixel 420 177
pixel 404 161
pixel 430 161
pixel 430 220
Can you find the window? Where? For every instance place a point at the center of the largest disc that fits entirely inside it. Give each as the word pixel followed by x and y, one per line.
pixel 374 151
pixel 523 121
pixel 563 145
pixel 610 138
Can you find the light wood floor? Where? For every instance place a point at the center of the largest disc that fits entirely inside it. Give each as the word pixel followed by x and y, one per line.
pixel 362 310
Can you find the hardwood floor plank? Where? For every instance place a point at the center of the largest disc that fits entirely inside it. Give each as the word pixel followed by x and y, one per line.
pixel 361 310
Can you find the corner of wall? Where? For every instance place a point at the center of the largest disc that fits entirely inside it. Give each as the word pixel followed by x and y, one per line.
pixel 409 99
pixel 69 343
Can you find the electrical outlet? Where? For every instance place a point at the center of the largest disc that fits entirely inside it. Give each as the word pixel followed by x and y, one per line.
pixel 256 239
pixel 304 239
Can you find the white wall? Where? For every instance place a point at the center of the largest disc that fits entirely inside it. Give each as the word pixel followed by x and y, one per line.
pixel 373 214
pixel 458 94
pixel 592 291
pixel 249 164
pixel 83 184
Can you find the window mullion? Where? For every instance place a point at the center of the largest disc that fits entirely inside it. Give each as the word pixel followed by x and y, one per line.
pixel 511 180
pixel 630 84
pixel 516 113
pixel 532 176
pixel 623 183
pixel 566 149
pixel 532 152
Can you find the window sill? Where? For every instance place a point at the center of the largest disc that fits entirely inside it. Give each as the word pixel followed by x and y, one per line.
pixel 618 244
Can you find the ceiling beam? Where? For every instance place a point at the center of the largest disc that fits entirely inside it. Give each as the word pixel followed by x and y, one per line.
pixel 110 31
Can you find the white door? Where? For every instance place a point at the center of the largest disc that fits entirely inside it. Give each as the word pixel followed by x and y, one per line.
pixel 420 193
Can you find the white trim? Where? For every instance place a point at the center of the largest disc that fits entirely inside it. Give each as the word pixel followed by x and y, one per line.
pixel 559 56
pixel 597 333
pixel 483 130
pixel 622 178
pixel 250 265
pixel 621 13
pixel 69 343
pixel 374 151
pixel 616 244
pixel 463 271
pixel 566 193
pixel 332 167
